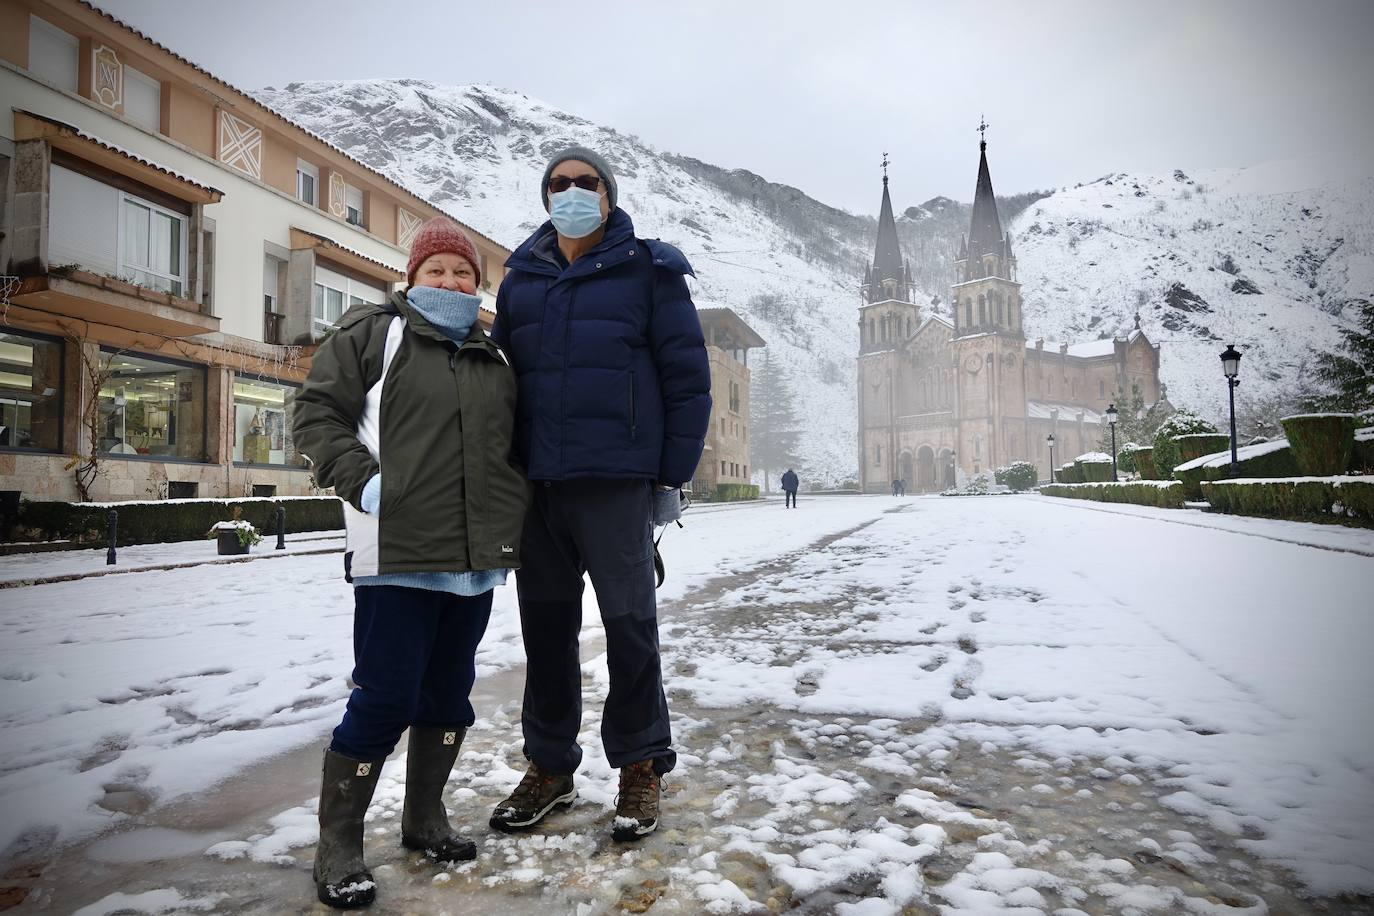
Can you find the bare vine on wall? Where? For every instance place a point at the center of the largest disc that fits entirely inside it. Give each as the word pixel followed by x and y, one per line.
pixel 96 370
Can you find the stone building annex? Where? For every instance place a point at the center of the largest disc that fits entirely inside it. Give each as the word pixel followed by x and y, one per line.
pixel 972 393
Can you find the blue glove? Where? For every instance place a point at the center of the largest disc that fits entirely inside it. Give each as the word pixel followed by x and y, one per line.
pixel 667 505
pixel 372 495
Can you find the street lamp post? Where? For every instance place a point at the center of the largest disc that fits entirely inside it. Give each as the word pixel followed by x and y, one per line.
pixel 1230 366
pixel 1111 421
pixel 1050 440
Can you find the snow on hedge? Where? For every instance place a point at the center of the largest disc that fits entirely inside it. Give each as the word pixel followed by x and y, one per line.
pixel 1219 459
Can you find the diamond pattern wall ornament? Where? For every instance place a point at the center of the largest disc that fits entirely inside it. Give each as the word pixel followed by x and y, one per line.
pixel 407 224
pixel 240 144
pixel 107 78
pixel 336 195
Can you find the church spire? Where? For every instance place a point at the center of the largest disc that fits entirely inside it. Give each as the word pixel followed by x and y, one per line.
pixel 887 254
pixel 985 230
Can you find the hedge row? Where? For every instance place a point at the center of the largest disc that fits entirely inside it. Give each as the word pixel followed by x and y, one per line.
pixel 734 492
pixel 1348 498
pixel 170 520
pixel 1278 463
pixel 1362 458
pixel 1165 496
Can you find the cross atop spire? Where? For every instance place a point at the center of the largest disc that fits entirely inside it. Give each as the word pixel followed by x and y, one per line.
pixel 982 133
pixel 884 168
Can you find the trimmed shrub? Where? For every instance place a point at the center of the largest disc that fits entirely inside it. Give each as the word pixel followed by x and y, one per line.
pixel 171 520
pixel 1144 458
pixel 1362 454
pixel 1165 454
pixel 1195 445
pixel 1093 467
pixel 1125 458
pixel 1069 473
pixel 1321 442
pixel 1019 476
pixel 1254 461
pixel 735 492
pixel 1161 495
pixel 1321 499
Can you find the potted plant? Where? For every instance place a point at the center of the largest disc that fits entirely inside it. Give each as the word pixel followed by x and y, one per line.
pixel 235 536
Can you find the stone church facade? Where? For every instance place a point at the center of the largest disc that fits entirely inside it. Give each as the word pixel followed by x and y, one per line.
pixel 942 398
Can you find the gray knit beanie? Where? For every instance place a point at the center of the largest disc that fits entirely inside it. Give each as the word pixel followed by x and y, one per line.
pixel 581 154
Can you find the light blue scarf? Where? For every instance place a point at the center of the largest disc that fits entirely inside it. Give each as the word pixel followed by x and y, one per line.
pixel 451 312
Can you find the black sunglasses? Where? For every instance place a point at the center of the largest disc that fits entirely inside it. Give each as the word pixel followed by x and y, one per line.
pixel 560 183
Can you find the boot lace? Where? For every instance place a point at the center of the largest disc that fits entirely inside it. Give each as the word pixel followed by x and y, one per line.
pixel 527 793
pixel 638 788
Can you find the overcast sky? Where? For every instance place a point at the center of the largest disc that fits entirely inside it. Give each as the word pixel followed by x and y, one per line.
pixel 811 94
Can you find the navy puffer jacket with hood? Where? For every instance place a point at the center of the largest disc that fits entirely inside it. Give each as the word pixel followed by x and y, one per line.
pixel 613 375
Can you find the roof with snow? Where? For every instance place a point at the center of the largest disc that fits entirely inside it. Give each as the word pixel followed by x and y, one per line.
pixel 1045 410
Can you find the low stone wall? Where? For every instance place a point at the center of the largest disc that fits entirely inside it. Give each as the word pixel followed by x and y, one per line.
pixel 46 477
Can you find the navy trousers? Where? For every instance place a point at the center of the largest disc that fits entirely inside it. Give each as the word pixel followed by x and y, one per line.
pixel 413 657
pixel 603 528
pixel 789 499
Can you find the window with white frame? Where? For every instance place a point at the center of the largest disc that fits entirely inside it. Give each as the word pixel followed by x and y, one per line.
pixel 142 99
pixel 152 245
pixel 353 205
pixel 335 293
pixel 53 54
pixel 307 182
pixel 107 230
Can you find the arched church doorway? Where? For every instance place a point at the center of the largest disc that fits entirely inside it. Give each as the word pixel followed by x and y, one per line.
pixel 946 468
pixel 925 468
pixel 905 470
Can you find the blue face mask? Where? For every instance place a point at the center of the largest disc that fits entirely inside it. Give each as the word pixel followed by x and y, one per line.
pixel 450 311
pixel 575 213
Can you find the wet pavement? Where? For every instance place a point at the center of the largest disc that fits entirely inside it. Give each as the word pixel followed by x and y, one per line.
pixel 772 808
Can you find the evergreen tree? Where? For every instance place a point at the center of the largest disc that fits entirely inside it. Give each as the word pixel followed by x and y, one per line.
pixel 1136 423
pixel 1349 376
pixel 773 424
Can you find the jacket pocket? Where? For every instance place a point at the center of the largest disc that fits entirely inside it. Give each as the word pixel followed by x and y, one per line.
pixel 633 418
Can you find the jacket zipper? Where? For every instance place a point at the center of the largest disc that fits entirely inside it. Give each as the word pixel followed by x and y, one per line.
pixel 633 421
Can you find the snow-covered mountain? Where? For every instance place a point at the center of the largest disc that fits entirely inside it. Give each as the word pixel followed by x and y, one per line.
pixel 1258 257
pixel 1252 256
pixel 786 263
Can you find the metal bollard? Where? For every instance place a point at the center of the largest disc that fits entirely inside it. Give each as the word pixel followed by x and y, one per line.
pixel 112 518
pixel 281 527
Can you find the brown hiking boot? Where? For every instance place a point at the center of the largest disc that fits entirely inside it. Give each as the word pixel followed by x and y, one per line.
pixel 636 805
pixel 538 794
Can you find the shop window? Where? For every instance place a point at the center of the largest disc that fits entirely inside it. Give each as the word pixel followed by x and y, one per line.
pixel 182 489
pixel 307 182
pixel 263 412
pixel 261 490
pixel 152 408
pixel 30 392
pixel 53 54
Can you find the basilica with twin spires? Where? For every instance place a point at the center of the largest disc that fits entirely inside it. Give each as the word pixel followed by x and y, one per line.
pixel 943 397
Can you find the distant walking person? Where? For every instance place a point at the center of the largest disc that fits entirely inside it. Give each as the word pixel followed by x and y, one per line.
pixel 896 486
pixel 789 488
pixel 615 401
pixel 408 413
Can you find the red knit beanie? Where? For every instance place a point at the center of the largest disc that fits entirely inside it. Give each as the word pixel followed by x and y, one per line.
pixel 438 235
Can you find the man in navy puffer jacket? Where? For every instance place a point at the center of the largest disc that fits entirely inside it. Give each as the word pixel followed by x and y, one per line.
pixel 613 406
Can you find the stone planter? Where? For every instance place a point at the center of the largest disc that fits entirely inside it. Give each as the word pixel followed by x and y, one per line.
pixel 228 539
pixel 1321 442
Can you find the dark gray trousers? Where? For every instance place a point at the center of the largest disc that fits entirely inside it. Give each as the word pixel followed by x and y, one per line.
pixel 603 528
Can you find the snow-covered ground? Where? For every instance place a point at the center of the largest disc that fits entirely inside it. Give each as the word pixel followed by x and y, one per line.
pixel 959 705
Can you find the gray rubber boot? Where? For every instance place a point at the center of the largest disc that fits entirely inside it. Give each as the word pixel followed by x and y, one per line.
pixel 424 820
pixel 341 878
